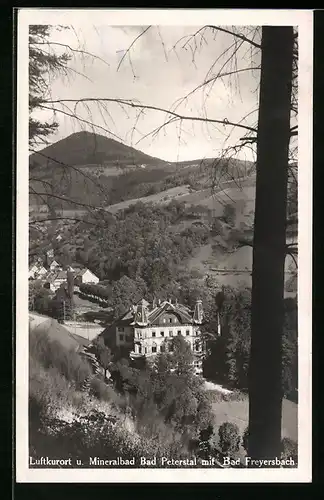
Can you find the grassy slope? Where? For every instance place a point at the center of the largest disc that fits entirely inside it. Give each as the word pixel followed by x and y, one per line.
pixel 161 198
pixel 57 332
pixel 237 412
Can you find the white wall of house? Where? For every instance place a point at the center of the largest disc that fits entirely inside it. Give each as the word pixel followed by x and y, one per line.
pixel 41 271
pixel 89 277
pixel 54 265
pixel 148 341
pixel 151 339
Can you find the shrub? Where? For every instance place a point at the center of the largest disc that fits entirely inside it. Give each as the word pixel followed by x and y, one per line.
pixel 49 392
pixel 245 440
pixel 289 449
pixel 100 390
pixel 229 438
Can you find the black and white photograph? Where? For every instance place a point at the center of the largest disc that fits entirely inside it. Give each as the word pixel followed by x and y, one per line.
pixel 164 222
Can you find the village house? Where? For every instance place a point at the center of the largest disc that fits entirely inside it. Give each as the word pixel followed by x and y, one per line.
pixel 145 328
pixel 55 279
pixel 33 271
pixel 37 271
pixel 85 276
pixel 55 266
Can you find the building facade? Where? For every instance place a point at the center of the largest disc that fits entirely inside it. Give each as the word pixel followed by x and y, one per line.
pixel 145 328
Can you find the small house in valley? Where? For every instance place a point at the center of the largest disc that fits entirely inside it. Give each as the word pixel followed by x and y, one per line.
pixel 85 276
pixel 54 265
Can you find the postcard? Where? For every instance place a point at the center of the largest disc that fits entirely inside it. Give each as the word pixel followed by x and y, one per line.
pixel 164 255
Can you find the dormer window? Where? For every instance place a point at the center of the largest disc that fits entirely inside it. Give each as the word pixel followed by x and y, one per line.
pixel 170 320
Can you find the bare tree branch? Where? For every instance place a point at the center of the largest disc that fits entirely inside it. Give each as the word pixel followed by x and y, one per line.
pixel 131 45
pixel 237 35
pixel 132 104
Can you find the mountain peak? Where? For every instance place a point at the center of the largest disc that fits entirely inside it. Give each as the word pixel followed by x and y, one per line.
pixel 84 147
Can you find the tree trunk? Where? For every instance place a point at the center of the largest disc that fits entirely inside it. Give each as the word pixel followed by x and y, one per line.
pixel 265 387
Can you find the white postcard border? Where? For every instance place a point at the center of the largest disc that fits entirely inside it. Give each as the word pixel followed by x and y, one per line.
pixel 304 20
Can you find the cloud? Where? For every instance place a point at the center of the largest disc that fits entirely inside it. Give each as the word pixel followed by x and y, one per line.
pixel 157 71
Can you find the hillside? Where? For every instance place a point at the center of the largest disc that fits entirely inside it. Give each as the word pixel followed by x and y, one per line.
pixel 86 148
pixel 91 169
pixel 55 331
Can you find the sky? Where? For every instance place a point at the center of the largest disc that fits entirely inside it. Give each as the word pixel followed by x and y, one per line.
pixel 161 68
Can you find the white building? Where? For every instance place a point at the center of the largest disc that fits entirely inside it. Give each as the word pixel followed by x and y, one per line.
pixel 54 266
pixel 145 328
pixel 85 276
pixel 37 271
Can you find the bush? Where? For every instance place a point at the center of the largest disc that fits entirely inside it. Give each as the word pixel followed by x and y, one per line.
pixel 245 440
pixel 229 438
pixel 289 449
pixel 100 390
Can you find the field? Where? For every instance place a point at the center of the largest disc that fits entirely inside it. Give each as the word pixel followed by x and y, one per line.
pixel 161 198
pixel 237 413
pixel 232 268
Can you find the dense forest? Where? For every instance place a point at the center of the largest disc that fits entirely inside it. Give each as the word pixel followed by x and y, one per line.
pixel 136 254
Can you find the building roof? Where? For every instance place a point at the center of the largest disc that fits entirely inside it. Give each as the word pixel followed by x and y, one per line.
pixel 81 272
pixel 148 314
pixel 60 275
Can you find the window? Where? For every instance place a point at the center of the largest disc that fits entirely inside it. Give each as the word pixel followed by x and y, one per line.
pixel 162 348
pixel 140 349
pixel 170 333
pixel 197 347
pixel 162 334
pixel 187 332
pixel 145 350
pixel 170 320
pixel 179 332
pixel 154 348
pixel 121 329
pixel 153 334
pixel 121 337
pixel 164 320
pixel 171 347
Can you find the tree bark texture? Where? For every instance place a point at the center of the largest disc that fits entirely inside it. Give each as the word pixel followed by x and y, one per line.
pixel 265 380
